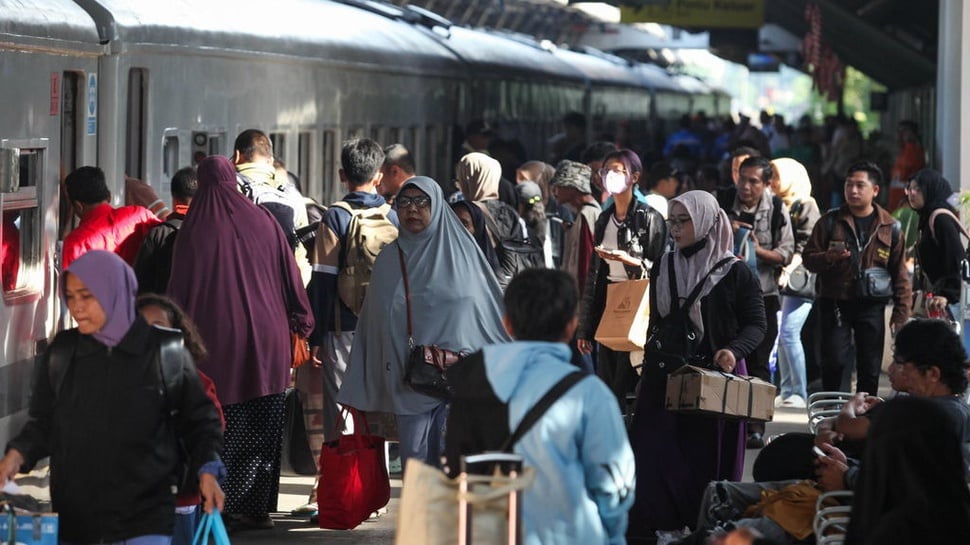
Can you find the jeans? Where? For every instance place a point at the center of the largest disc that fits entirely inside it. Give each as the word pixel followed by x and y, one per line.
pixel 422 436
pixel 846 324
pixel 791 353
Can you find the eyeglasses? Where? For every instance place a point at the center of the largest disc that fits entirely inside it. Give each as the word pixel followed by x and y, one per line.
pixel 603 172
pixel 418 202
pixel 912 189
pixel 677 222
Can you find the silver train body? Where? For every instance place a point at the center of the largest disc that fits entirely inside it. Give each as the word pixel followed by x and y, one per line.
pixel 143 88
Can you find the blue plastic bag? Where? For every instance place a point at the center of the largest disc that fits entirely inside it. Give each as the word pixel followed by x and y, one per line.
pixel 211 527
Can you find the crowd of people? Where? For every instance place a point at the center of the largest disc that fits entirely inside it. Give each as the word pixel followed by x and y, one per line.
pixel 509 263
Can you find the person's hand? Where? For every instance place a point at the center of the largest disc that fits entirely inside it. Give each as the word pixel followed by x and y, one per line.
pixel 830 469
pixel 735 225
pixel 936 304
pixel 625 258
pixel 315 356
pixel 585 346
pixel 212 494
pixel 857 403
pixel 834 255
pixel 10 465
pixel 827 436
pixel 724 358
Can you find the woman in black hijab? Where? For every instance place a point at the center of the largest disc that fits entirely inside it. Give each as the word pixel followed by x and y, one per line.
pixel 472 217
pixel 912 485
pixel 940 248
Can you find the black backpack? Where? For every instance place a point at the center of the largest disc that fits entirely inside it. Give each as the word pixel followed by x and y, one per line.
pixel 479 422
pixel 170 344
pixel 515 253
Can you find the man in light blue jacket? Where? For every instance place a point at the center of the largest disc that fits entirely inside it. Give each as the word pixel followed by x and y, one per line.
pixel 579 448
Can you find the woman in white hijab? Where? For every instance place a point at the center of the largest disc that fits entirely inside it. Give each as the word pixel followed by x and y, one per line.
pixel 792 184
pixel 677 454
pixel 456 303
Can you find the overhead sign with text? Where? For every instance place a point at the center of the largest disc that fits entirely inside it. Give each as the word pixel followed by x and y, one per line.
pixel 699 13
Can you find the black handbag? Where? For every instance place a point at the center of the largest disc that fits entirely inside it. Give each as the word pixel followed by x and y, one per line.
pixel 801 283
pixel 427 365
pixel 296 457
pixel 875 284
pixel 672 341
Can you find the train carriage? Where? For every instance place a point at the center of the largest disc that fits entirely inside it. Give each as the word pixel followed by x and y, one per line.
pixel 143 88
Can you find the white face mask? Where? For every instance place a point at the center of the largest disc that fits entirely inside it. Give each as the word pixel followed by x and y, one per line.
pixel 615 182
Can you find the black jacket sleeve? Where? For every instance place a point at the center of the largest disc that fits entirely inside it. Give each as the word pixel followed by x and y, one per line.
pixel 197 424
pixel 34 440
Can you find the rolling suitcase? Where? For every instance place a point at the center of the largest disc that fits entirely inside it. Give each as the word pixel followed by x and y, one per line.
pixel 481 491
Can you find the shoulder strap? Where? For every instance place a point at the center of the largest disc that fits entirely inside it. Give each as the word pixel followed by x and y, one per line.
pixel 944 211
pixel 60 354
pixel 541 406
pixel 344 205
pixel 700 285
pixel 170 345
pixel 777 218
pixel 407 294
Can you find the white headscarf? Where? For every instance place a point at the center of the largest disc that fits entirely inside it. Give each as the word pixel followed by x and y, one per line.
pixel 791 182
pixel 711 223
pixel 456 303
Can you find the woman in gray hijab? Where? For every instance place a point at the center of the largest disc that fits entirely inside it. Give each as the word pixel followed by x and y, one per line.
pixel 677 454
pixel 456 303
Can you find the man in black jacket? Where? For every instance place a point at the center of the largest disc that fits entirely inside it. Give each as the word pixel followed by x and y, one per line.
pixel 153 265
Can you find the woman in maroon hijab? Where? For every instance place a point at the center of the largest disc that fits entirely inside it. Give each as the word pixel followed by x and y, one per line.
pixel 234 274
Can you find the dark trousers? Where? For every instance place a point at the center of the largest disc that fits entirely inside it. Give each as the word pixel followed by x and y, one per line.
pixel 846 324
pixel 615 370
pixel 758 360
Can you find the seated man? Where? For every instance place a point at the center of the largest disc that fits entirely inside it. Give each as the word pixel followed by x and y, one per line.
pixel 929 361
pixel 584 466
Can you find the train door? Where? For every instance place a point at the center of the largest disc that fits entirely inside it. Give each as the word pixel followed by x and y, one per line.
pixel 70 152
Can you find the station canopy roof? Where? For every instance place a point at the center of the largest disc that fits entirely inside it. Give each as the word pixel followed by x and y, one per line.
pixel 892 41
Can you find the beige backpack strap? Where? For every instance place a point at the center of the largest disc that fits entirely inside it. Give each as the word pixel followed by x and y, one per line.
pixel 944 211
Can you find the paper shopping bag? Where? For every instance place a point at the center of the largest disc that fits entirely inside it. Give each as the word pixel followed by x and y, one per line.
pixel 623 326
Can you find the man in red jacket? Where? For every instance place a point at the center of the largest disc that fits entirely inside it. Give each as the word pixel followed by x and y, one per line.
pixel 101 227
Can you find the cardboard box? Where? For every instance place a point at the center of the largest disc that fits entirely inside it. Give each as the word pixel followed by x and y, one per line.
pixel 32 529
pixel 695 389
pixel 623 326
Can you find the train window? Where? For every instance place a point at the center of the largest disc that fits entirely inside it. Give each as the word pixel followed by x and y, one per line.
pixel 303 146
pixel 329 189
pixel 21 233
pixel 416 147
pixel 279 145
pixel 170 155
pixel 430 149
pixel 377 134
pixel 137 122
pixel 216 141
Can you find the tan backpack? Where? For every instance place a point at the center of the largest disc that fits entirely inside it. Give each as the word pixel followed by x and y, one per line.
pixel 368 232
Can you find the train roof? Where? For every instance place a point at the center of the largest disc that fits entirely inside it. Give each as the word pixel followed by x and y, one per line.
pixel 602 69
pixel 495 52
pixel 329 31
pixel 53 24
pixel 658 79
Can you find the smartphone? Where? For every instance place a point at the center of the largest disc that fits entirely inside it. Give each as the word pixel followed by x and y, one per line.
pixel 818 452
pixel 838 245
